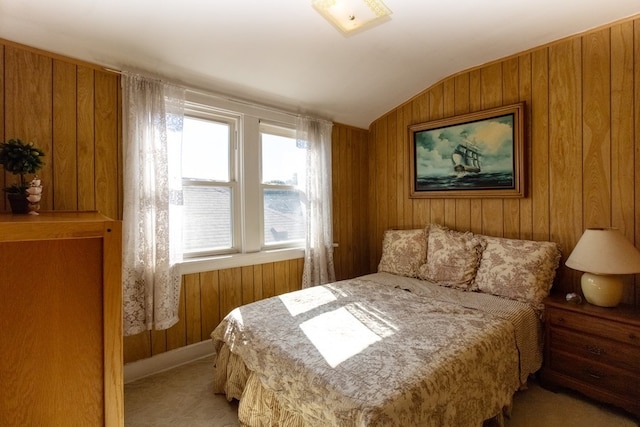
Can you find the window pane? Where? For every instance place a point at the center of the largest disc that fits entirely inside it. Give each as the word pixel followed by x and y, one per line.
pixel 205 149
pixel 282 161
pixel 284 219
pixel 207 218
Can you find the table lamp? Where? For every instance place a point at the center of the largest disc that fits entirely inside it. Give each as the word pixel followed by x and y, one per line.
pixel 603 254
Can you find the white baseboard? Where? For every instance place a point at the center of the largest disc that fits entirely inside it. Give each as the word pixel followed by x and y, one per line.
pixel 165 361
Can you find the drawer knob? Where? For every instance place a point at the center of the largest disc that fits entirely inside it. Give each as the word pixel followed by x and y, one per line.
pixel 594 349
pixel 594 374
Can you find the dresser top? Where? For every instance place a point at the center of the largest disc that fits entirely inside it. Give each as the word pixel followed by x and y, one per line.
pixel 623 313
pixel 53 216
pixel 53 225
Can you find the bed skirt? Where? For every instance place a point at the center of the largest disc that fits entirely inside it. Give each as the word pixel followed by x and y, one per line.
pixel 258 406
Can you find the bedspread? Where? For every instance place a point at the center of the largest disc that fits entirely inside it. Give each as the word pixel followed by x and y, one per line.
pixel 374 351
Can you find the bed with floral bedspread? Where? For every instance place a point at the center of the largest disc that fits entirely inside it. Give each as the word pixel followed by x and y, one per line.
pixel 384 349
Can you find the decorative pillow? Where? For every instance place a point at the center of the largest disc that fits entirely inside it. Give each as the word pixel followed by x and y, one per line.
pixel 521 270
pixel 452 257
pixel 403 251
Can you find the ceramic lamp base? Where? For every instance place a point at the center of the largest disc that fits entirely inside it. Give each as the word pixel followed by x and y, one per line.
pixel 602 289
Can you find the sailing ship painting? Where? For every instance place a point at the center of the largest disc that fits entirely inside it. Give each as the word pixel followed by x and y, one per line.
pixel 466 158
pixel 466 155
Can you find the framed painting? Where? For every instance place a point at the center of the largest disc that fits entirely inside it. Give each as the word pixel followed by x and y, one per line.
pixel 479 154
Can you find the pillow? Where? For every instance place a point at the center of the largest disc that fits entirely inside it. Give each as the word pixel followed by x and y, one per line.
pixel 452 257
pixel 403 251
pixel 522 270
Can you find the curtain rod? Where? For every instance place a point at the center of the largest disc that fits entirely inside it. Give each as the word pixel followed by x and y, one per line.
pixel 217 96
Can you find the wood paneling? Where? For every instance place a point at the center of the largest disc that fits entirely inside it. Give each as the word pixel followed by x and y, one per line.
pixel 582 101
pixel 2 96
pixel 351 214
pixel 85 147
pixel 106 126
pixel 207 297
pixel 64 132
pixel 70 110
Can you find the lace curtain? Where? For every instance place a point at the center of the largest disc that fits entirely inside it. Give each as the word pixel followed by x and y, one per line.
pixel 153 114
pixel 318 258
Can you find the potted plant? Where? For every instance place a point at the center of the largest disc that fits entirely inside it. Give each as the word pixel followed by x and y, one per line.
pixel 21 159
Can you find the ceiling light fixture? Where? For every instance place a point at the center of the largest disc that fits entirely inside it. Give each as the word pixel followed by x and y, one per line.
pixel 349 16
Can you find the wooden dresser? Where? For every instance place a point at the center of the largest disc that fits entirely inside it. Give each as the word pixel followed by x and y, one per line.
pixel 60 320
pixel 593 350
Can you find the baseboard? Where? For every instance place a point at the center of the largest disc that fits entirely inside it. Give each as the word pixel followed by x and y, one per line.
pixel 165 361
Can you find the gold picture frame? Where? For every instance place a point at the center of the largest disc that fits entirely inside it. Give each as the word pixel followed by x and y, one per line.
pixel 476 155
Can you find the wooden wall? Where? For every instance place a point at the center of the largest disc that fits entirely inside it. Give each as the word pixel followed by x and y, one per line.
pixel 207 297
pixel 351 210
pixel 71 110
pixel 582 99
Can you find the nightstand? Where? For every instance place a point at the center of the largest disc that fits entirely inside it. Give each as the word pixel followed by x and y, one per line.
pixel 593 350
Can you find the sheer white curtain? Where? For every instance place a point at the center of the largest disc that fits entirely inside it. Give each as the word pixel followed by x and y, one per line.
pixel 318 258
pixel 153 115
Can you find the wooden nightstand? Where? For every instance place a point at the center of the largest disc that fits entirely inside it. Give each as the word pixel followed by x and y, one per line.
pixel 593 350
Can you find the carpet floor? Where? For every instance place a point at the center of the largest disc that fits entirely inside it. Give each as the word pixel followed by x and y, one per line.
pixel 183 396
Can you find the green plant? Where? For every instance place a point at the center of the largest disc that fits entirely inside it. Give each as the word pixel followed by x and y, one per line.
pixel 20 159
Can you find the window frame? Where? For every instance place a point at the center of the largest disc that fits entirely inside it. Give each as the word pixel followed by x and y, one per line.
pixel 288 132
pixel 249 244
pixel 232 120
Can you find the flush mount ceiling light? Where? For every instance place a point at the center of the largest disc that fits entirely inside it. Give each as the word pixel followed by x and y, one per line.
pixel 350 16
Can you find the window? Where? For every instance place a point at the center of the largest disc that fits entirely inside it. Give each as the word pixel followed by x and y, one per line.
pixel 282 181
pixel 243 178
pixel 208 184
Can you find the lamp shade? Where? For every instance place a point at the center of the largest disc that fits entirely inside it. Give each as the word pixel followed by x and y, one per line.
pixel 604 251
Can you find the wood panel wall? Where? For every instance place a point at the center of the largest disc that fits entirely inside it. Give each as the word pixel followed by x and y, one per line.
pixel 582 99
pixel 71 110
pixel 207 297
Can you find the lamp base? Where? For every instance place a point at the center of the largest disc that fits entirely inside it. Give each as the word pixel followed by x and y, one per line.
pixel 602 289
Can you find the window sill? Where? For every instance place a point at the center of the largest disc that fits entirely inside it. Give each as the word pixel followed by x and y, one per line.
pixel 200 265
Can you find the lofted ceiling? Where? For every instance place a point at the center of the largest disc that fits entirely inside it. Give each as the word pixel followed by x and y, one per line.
pixel 283 54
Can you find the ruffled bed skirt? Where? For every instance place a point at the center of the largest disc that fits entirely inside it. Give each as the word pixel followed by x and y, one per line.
pixel 259 406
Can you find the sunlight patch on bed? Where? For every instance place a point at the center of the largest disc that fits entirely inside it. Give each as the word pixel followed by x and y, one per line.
pixel 339 334
pixel 301 302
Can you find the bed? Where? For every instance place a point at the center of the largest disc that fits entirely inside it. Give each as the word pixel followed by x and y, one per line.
pixel 445 333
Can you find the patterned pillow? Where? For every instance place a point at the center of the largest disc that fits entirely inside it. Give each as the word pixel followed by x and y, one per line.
pixel 522 270
pixel 452 257
pixel 403 251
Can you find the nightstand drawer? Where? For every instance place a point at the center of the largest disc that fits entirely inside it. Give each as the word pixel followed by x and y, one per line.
pixel 594 325
pixel 596 374
pixel 594 348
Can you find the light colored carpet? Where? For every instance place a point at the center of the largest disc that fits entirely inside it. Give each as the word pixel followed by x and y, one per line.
pixel 183 397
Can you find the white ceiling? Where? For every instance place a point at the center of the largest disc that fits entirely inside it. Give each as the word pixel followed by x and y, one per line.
pixel 282 53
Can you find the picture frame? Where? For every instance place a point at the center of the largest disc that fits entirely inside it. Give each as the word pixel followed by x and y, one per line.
pixel 476 155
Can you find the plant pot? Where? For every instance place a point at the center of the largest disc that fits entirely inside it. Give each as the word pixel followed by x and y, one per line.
pixel 18 202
